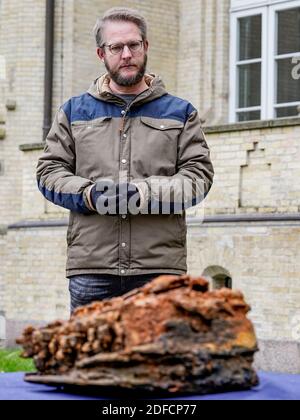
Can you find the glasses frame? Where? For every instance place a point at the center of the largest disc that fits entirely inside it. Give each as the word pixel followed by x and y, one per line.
pixel 109 46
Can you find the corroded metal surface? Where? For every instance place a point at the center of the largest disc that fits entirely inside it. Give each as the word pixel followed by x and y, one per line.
pixel 172 335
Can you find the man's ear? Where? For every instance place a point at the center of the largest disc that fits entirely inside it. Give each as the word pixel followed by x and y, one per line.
pixel 100 53
pixel 146 45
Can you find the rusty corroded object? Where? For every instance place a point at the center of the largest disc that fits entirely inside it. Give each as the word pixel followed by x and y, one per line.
pixel 172 335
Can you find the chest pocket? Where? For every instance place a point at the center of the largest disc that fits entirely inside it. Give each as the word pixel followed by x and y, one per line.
pixel 96 153
pixel 162 124
pixel 161 133
pixel 92 132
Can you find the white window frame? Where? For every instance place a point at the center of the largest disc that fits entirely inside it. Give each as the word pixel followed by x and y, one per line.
pixel 237 5
pixel 267 9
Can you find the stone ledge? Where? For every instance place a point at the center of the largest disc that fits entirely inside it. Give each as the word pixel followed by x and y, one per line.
pixel 191 221
pixel 242 218
pixel 252 125
pixel 29 147
pixel 32 224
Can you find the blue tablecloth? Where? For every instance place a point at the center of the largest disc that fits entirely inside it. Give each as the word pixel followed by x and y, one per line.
pixel 272 387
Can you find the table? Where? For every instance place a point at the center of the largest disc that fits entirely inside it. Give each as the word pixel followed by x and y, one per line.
pixel 272 386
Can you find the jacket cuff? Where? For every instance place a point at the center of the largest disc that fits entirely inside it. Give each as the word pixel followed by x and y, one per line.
pixel 87 197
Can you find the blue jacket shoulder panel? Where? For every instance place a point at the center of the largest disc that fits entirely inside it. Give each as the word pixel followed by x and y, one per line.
pixel 167 106
pixel 86 108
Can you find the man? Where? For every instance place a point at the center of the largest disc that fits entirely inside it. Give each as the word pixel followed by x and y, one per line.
pixel 126 158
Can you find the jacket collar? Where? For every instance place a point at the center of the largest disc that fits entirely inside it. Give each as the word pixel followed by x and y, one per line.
pixel 100 89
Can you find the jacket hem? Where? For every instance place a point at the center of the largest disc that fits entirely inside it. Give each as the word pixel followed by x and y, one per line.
pixel 129 272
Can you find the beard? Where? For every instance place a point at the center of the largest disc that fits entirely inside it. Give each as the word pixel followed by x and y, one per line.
pixel 116 76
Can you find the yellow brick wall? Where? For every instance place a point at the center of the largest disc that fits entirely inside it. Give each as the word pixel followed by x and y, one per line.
pixel 203 57
pixel 263 262
pixel 42 208
pixel 162 18
pixel 35 283
pixel 256 171
pixel 22 45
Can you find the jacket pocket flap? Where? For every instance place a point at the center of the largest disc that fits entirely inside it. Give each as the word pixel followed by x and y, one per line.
pixel 161 124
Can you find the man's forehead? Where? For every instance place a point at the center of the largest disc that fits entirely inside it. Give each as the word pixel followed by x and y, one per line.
pixel 118 31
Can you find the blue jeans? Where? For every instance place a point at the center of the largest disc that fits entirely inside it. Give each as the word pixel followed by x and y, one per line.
pixel 86 288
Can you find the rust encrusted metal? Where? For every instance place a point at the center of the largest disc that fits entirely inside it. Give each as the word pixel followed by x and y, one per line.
pixel 172 335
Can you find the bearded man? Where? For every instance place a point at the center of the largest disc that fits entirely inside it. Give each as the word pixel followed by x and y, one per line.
pixel 127 159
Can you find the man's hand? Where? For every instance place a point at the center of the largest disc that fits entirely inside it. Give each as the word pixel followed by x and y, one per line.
pixel 114 199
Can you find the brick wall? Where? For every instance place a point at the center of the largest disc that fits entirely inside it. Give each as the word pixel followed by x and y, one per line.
pixel 163 20
pixel 3 257
pixel 263 261
pixel 256 171
pixel 36 287
pixel 203 57
pixel 22 45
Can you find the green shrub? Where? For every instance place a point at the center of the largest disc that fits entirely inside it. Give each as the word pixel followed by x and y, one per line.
pixel 10 361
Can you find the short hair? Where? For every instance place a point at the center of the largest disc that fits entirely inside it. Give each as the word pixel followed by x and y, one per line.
pixel 119 14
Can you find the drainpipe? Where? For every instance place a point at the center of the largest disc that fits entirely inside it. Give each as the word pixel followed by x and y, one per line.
pixel 49 53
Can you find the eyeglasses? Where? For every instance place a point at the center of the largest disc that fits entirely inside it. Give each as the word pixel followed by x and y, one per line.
pixel 134 46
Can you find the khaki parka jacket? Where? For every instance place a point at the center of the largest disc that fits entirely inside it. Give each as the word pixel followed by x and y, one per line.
pixel 98 135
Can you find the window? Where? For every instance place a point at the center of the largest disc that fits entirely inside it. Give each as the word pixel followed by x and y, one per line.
pixel 265 53
pixel 218 277
pixel 222 281
pixel 287 47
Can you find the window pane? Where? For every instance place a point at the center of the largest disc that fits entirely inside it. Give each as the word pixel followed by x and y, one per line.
pixel 288 88
pixel 249 85
pixel 221 280
pixel 248 116
pixel 289 31
pixel 291 111
pixel 250 37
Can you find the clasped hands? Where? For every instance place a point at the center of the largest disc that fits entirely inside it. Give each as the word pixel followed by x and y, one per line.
pixel 109 198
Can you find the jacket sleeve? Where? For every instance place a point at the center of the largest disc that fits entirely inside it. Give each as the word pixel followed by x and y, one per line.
pixel 56 169
pixel 193 178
